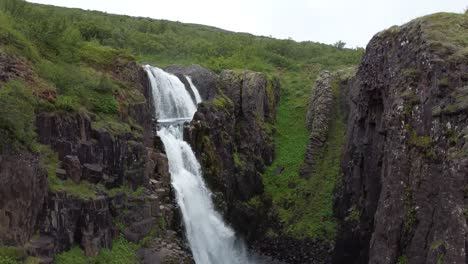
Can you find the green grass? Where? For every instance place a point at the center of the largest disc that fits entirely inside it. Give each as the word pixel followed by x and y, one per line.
pixel 16 116
pixel 80 87
pixel 83 189
pixel 11 255
pixel 72 50
pixel 122 252
pixel 222 102
pixel 291 135
pixel 87 190
pixel 73 256
pixel 447 35
pixel 402 260
pixel 305 205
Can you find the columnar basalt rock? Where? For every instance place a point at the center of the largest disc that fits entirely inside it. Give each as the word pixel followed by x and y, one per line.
pixel 318 118
pixel 70 221
pixel 403 194
pixel 23 188
pixel 93 155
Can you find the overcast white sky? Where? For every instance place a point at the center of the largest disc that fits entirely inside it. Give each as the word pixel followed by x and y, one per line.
pixel 326 21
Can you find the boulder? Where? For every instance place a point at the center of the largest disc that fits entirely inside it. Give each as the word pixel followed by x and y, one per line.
pixel 72 167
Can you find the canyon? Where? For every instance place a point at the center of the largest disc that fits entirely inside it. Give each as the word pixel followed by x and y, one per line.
pixel 183 163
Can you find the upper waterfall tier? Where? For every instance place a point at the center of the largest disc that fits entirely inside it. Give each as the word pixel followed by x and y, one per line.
pixel 171 99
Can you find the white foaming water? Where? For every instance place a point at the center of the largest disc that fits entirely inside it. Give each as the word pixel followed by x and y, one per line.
pixel 171 100
pixel 210 239
pixel 194 90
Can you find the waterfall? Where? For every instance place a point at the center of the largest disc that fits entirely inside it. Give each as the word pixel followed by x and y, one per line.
pixel 211 240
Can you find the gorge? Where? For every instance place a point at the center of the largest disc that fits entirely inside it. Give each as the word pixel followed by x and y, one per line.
pixel 233 148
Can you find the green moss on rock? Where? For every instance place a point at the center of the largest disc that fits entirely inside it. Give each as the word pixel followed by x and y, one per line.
pixel 222 102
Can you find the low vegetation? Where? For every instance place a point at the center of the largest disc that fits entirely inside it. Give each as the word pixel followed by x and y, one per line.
pixel 306 205
pixel 122 252
pixel 447 35
pixel 71 53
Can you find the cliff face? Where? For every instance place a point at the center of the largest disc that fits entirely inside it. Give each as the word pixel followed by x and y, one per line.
pixel 22 193
pixel 231 134
pixel 102 180
pixel 405 166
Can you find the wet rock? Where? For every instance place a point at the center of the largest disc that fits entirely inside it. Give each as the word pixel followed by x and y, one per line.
pixel 204 79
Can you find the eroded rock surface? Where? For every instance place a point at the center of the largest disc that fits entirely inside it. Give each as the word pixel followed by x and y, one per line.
pixel 23 188
pixel 318 118
pixel 403 196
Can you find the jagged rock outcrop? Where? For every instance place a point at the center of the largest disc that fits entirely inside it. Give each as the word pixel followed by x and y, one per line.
pixel 318 118
pixel 232 138
pixel 102 157
pixel 405 169
pixel 69 220
pixel 12 67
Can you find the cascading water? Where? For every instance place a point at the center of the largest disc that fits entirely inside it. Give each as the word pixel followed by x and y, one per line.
pixel 210 239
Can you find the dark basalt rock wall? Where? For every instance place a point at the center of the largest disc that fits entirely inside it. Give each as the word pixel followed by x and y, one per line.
pixel 405 166
pixel 68 221
pixel 23 187
pixel 45 221
pixel 101 157
pixel 231 135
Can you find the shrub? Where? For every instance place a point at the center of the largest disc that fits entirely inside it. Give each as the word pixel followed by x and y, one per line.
pixel 106 85
pixel 104 104
pixel 122 252
pixel 16 116
pixel 11 255
pixel 73 256
pixel 67 103
pixel 7 260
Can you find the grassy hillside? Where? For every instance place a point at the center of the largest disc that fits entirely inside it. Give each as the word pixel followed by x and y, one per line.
pixel 68 50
